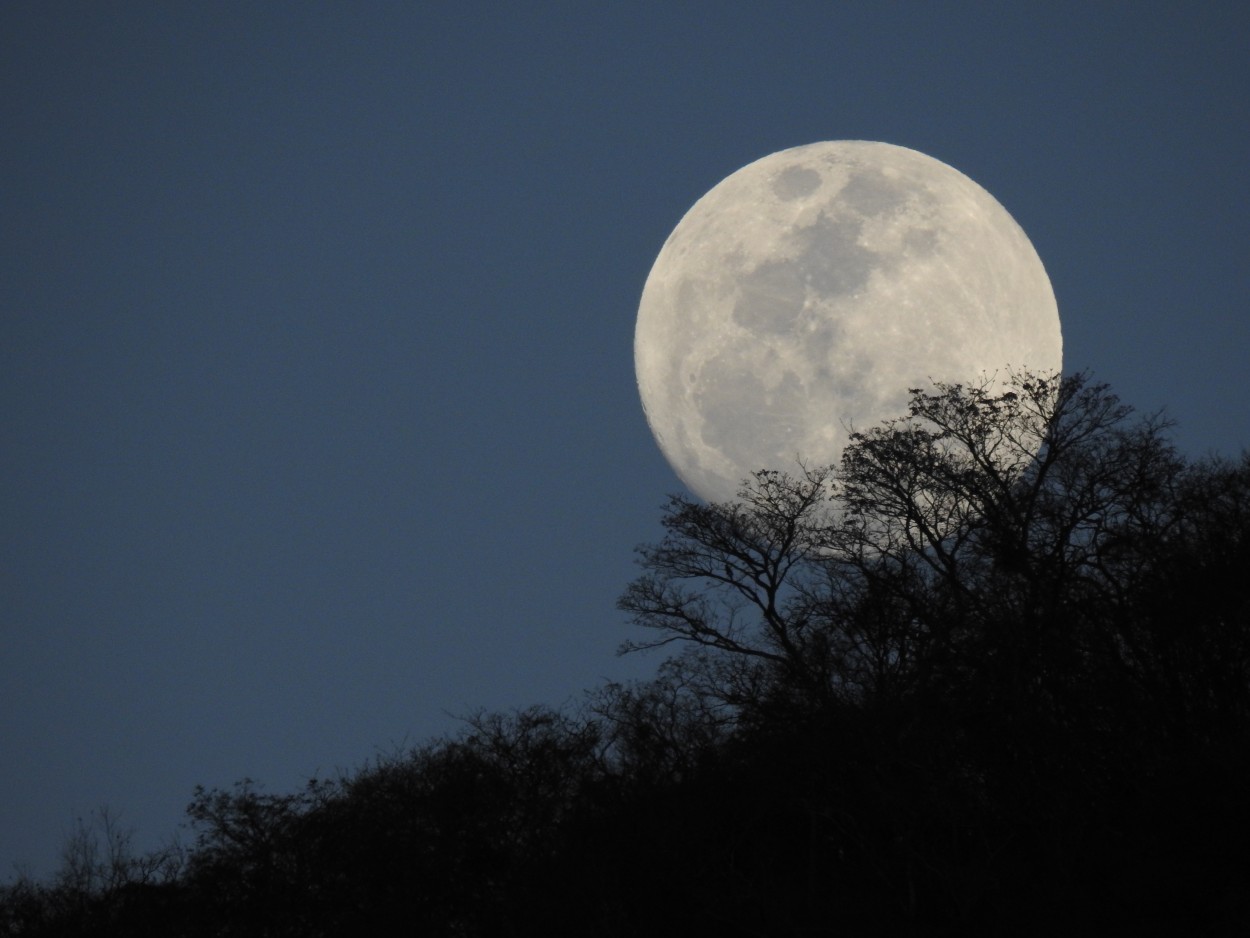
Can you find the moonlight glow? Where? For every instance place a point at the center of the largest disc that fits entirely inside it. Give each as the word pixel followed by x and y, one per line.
pixel 804 294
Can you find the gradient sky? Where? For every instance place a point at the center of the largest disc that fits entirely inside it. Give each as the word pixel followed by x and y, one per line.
pixel 318 422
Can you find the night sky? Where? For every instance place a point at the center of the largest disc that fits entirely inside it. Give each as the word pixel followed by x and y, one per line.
pixel 318 422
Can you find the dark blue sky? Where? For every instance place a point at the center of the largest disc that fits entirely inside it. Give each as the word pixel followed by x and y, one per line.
pixel 319 422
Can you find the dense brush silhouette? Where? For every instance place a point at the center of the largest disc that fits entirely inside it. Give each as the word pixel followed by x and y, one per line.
pixel 990 675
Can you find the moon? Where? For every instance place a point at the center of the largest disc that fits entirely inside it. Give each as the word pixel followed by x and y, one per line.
pixel 801 298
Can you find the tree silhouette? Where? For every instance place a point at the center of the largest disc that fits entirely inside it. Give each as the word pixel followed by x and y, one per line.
pixel 1014 598
pixel 989 675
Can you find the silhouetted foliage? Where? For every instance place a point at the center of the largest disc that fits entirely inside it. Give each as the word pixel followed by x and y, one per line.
pixel 1011 603
pixel 103 886
pixel 991 675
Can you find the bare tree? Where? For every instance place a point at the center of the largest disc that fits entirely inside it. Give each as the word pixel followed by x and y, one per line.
pixel 732 579
pixel 99 858
pixel 976 532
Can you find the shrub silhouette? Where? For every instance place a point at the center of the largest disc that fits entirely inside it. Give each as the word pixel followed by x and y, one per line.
pixel 990 675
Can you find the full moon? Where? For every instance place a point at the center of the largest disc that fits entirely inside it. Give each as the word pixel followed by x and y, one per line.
pixel 801 298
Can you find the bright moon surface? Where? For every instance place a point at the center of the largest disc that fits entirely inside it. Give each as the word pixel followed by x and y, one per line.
pixel 803 296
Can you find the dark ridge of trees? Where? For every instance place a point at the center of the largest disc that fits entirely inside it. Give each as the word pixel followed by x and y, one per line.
pixel 990 676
